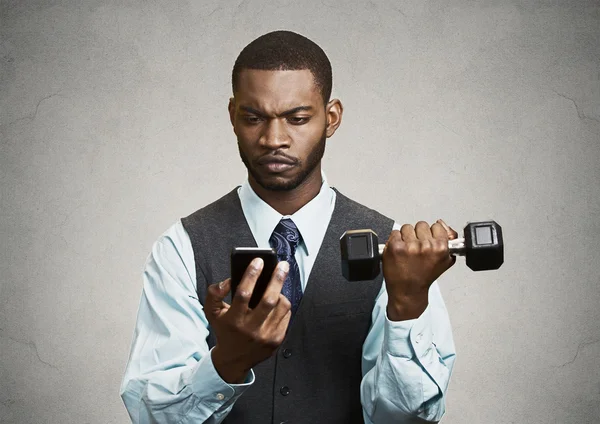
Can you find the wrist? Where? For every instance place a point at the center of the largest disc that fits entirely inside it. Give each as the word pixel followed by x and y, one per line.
pixel 230 370
pixel 402 308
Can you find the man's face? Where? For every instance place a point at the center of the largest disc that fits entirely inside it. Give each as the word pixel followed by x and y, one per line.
pixel 281 126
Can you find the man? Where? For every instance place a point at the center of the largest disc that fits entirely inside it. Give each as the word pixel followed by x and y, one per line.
pixel 316 348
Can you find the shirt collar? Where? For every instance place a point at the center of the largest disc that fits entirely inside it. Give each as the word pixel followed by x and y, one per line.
pixel 311 220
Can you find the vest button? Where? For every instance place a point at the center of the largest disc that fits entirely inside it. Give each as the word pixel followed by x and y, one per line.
pixel 287 353
pixel 285 390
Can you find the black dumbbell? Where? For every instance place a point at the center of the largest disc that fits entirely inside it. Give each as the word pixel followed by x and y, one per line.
pixel 482 246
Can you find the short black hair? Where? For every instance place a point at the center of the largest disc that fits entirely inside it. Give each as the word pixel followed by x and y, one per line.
pixel 285 51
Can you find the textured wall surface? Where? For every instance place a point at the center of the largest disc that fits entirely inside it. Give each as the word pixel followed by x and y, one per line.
pixel 113 125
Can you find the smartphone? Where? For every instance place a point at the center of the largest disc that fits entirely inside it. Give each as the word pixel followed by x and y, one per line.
pixel 241 258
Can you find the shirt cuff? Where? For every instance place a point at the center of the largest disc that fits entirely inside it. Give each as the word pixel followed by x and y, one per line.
pixel 212 390
pixel 409 338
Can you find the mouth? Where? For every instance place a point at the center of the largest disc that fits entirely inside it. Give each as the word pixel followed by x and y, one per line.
pixel 276 164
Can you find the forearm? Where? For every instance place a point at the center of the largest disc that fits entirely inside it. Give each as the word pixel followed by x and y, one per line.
pixel 170 377
pixel 407 384
pixel 407 365
pixel 183 394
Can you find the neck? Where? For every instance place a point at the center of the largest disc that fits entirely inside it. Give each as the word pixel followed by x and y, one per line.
pixel 289 202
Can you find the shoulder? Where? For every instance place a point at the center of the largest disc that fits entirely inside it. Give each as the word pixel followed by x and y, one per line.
pixel 359 210
pixel 172 254
pixel 227 208
pixel 226 202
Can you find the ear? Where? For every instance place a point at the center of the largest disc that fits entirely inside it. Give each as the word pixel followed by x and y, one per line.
pixel 231 108
pixel 333 113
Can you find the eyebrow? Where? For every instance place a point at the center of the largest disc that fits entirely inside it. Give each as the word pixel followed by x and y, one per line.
pixel 285 113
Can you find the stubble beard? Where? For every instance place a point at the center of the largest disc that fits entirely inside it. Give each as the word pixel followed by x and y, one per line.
pixel 306 168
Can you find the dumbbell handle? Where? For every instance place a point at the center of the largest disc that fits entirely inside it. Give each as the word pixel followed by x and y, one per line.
pixel 455 247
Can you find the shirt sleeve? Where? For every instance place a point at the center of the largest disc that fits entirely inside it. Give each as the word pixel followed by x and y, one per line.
pixel 170 377
pixel 407 364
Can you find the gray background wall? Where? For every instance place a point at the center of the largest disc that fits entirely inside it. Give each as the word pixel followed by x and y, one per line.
pixel 113 125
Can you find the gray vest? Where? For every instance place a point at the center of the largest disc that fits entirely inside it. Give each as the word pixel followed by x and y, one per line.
pixel 316 373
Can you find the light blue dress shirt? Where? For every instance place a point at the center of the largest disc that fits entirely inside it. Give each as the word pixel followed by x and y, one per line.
pixel 170 377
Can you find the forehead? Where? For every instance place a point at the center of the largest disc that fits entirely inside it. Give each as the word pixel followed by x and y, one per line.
pixel 276 89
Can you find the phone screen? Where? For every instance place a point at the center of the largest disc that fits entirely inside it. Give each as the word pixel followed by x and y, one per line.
pixel 241 258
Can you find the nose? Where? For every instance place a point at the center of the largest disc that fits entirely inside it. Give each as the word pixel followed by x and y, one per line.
pixel 275 135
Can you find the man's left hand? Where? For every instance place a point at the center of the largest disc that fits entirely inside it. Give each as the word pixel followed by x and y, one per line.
pixel 413 259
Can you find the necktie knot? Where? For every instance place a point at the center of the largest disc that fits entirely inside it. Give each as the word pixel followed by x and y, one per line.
pixel 285 239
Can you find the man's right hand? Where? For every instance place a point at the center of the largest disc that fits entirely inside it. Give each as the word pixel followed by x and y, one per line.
pixel 246 337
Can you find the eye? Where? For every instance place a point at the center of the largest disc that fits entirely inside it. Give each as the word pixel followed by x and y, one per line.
pixel 298 120
pixel 252 119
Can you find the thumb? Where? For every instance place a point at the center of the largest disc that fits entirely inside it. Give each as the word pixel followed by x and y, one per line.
pixel 215 295
pixel 451 233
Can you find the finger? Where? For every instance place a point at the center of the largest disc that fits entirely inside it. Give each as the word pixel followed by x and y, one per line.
pixel 275 331
pixel 440 242
pixel 272 293
pixel 283 323
pixel 394 238
pixel 439 232
pixel 451 233
pixel 217 292
pixel 244 290
pixel 423 231
pixel 277 314
pixel 408 233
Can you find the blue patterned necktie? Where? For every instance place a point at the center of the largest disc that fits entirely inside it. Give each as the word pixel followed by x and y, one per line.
pixel 284 240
